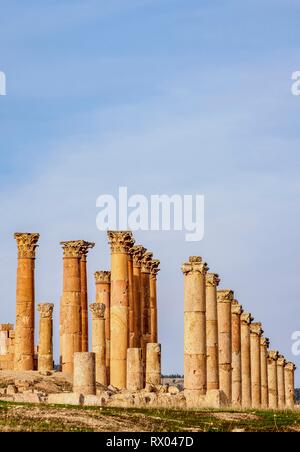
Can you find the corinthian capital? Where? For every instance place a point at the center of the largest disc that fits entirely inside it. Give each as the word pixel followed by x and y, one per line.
pixel 85 247
pixel 212 280
pixel 146 262
pixel 273 355
pixel 225 296
pixel 290 366
pixel 27 244
pixel 97 310
pixel 154 267
pixel 255 328
pixel 46 310
pixel 247 318
pixel 72 248
pixel 236 308
pixel 102 277
pixel 138 252
pixel 120 241
pixel 195 264
pixel 281 361
pixel 264 342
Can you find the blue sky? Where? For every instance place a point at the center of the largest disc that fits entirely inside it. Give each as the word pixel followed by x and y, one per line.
pixel 162 96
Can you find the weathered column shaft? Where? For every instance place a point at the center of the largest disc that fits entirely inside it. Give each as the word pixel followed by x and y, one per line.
pixel 135 378
pixel 280 382
pixel 289 374
pixel 153 300
pixel 264 344
pixel 225 298
pixel 131 312
pixel 195 370
pixel 25 301
pixel 120 242
pixel 212 281
pixel 255 335
pixel 45 355
pixel 99 341
pixel 153 365
pixel 272 379
pixel 102 280
pixel 246 320
pixel 138 253
pixel 145 303
pixel 84 381
pixel 236 312
pixel 70 328
pixel 86 246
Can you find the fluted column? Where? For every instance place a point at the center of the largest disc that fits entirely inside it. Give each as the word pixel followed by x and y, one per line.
pixel 236 312
pixel 255 335
pixel 120 241
pixel 246 320
pixel 153 300
pixel 225 299
pixel 272 379
pixel 264 345
pixel 135 378
pixel 25 301
pixel 45 355
pixel 212 341
pixel 86 246
pixel 102 281
pixel 138 252
pixel 131 313
pixel 153 365
pixel 280 382
pixel 70 327
pixel 98 341
pixel 289 375
pixel 195 370
pixel 145 302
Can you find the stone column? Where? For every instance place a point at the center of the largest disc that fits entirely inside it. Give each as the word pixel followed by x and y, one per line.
pixel 131 313
pixel 25 301
pixel 195 370
pixel 246 320
pixel 98 341
pixel 45 355
pixel 280 382
pixel 138 252
pixel 289 376
pixel 236 312
pixel 70 327
pixel 102 280
pixel 272 379
pixel 84 373
pixel 153 300
pixel 225 299
pixel 119 242
pixel 145 302
pixel 264 345
pixel 255 335
pixel 153 365
pixel 212 281
pixel 135 378
pixel 86 246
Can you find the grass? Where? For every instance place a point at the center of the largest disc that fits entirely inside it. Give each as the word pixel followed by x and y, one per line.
pixel 45 418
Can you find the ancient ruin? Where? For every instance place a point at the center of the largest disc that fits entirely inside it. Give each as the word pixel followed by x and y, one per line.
pixel 227 361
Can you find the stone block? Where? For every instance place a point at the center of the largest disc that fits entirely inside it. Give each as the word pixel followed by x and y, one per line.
pixel 92 400
pixel 66 398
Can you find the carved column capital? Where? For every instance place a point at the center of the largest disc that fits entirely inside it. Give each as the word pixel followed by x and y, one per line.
pixel 154 268
pixel 212 280
pixel 225 296
pixel 195 264
pixel 27 244
pixel 236 308
pixel 264 342
pixel 85 247
pixel 146 262
pixel 138 252
pixel 97 310
pixel 46 310
pixel 102 277
pixel 247 318
pixel 120 241
pixel 72 248
pixel 273 355
pixel 290 366
pixel 281 361
pixel 255 328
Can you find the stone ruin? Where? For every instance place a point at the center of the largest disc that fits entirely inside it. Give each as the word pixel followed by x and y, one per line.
pixel 227 361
